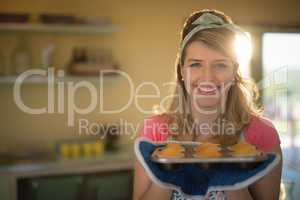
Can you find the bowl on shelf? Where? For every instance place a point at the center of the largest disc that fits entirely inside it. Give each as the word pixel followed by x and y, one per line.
pixel 57 19
pixel 17 17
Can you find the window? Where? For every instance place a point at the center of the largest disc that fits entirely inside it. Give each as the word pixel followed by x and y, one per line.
pixel 281 89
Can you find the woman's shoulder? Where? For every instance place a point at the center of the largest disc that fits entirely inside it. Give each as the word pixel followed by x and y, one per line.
pixel 262 133
pixel 155 127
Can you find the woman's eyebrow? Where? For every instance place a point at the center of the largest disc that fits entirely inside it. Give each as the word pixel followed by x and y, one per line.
pixel 194 60
pixel 200 60
pixel 221 60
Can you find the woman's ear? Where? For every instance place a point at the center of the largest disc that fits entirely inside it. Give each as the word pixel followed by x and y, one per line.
pixel 236 67
pixel 235 70
pixel 182 73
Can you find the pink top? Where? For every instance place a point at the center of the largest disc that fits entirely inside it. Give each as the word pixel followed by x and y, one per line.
pixel 260 132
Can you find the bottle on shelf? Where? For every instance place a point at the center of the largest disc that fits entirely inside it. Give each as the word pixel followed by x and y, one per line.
pixel 5 60
pixel 21 58
pixel 47 56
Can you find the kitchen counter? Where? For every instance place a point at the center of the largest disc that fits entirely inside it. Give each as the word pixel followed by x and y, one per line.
pixel 108 162
pixel 122 159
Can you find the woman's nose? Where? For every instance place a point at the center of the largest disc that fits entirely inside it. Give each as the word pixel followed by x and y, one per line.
pixel 208 74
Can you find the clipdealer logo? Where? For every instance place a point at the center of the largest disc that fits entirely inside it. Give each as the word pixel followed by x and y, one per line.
pixel 58 86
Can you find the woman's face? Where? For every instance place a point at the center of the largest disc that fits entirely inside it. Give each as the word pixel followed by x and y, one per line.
pixel 208 75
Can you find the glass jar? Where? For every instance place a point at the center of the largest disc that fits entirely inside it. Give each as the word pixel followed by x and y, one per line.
pixel 21 58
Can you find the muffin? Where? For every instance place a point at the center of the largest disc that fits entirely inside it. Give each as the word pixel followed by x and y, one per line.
pixel 244 149
pixel 207 150
pixel 172 150
pixel 175 146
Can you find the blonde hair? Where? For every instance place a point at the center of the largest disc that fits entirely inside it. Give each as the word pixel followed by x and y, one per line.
pixel 242 97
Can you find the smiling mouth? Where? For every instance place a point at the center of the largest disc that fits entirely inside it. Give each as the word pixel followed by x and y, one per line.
pixel 207 89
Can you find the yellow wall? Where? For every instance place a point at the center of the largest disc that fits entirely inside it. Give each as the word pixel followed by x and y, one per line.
pixel 145 46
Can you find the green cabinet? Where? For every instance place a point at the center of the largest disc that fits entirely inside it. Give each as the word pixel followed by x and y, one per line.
pixel 116 185
pixel 5 188
pixel 58 188
pixel 112 186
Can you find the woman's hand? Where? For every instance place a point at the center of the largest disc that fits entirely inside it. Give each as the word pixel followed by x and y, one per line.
pixel 268 188
pixel 242 194
pixel 144 188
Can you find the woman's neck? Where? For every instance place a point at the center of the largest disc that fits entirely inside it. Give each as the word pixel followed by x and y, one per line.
pixel 204 122
pixel 205 115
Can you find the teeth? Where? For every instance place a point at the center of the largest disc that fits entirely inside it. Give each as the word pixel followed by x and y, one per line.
pixel 207 89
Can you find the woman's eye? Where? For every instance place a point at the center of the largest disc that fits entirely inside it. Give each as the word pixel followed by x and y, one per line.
pixel 195 65
pixel 221 65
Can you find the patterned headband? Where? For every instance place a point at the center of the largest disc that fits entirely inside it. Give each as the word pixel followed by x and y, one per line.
pixel 207 21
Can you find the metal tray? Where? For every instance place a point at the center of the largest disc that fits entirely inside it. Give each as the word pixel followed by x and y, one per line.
pixel 227 156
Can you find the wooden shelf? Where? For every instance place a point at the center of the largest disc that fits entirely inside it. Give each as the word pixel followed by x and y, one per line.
pixel 58 28
pixel 70 29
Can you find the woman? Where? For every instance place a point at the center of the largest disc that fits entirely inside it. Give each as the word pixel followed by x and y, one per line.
pixel 212 103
